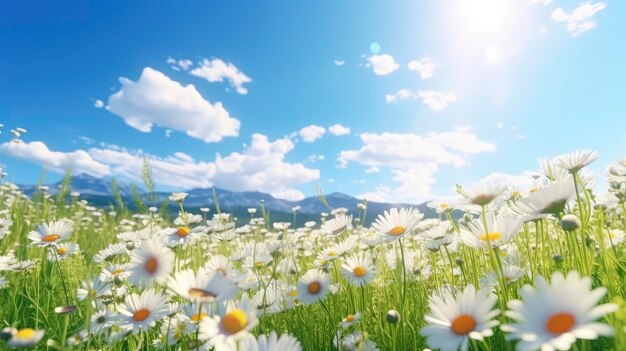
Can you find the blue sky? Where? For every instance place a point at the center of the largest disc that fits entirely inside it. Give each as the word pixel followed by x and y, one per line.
pixel 450 92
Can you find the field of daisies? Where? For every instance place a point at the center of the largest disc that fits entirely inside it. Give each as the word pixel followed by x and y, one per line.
pixel 502 268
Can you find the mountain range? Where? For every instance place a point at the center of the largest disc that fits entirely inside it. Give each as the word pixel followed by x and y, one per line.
pixel 99 192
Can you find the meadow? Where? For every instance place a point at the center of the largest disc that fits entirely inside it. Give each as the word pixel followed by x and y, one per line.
pixel 502 268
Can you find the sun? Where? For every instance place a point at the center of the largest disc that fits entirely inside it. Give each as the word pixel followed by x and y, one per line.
pixel 484 17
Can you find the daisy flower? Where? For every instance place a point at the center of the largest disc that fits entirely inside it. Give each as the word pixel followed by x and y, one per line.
pixel 232 324
pixel 546 201
pixel 551 171
pixel 63 251
pixel 152 262
pixel 350 320
pixel 453 321
pixel 511 273
pixel 481 194
pixel 271 342
pixel 440 206
pixel 51 233
pixel 26 337
pixel 614 237
pixel 115 272
pixel 5 224
pixel 337 226
pixel 438 236
pixel 101 321
pixel 552 316
pixel 219 264
pixel 500 230
pixel 182 235
pixel 203 286
pixel 178 197
pixel 359 269
pixel 313 286
pixel 393 224
pixel 141 312
pixel 93 289
pixel 574 161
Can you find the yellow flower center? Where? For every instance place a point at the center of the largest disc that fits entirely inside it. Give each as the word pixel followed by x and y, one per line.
pixel 141 315
pixel 314 288
pixel 182 232
pixel 350 318
pixel 198 317
pixel 259 264
pixel 293 293
pixel 332 253
pixel 612 235
pixel 560 323
pixel 463 324
pixel 151 265
pixel 117 271
pixel 62 251
pixel 444 206
pixel 359 271
pixel 491 236
pixel 395 231
pixel 26 333
pixel 50 238
pixel 234 321
pixel 532 190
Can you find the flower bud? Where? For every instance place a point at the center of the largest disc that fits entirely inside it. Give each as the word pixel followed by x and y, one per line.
pixel 393 316
pixel 570 222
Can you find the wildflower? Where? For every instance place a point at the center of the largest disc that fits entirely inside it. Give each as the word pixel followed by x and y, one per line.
pixel 141 312
pixel 153 262
pixel 500 230
pixel 233 324
pixel 481 194
pixel 350 320
pixel 313 286
pixel 576 160
pixel 394 224
pixel 546 201
pixel 271 342
pixel 359 269
pixel 441 206
pixel 26 337
pixel 553 316
pixel 51 233
pixel 203 286
pixel 337 225
pixel 453 321
pixel 178 197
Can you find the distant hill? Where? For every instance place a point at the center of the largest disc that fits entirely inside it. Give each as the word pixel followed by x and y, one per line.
pixel 99 192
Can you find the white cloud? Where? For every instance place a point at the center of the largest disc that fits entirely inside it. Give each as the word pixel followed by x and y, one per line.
pixel 523 181
pixel 436 100
pixel 87 140
pixel 80 161
pixel 425 67
pixel 543 2
pixel 288 194
pixel 157 99
pixel 179 64
pixel 168 133
pixel 315 158
pixel 216 70
pixel 338 129
pixel 413 160
pixel 260 167
pixel 98 104
pixel 179 170
pixel 401 94
pixel 311 133
pixel 339 62
pixel 579 21
pixel 383 64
